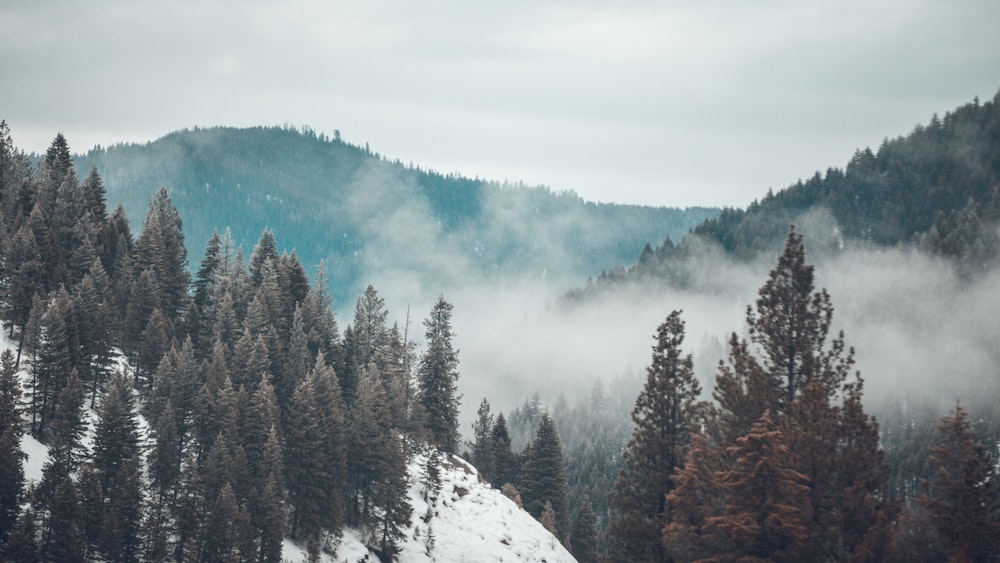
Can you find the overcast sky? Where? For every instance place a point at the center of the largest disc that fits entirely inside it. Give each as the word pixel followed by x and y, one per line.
pixel 665 102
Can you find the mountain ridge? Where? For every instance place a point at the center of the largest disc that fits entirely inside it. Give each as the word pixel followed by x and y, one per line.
pixel 335 201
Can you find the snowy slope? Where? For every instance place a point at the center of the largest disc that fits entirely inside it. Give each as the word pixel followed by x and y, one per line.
pixel 469 521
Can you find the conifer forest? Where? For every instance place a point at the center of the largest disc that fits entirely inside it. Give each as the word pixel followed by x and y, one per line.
pixel 164 399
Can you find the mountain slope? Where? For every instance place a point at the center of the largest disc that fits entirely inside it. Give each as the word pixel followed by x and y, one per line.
pixel 937 189
pixel 467 520
pixel 366 215
pixel 909 186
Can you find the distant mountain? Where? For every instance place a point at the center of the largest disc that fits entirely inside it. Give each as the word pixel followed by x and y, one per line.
pixel 937 188
pixel 364 214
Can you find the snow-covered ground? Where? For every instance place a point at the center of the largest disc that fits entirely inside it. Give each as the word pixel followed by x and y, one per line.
pixel 470 522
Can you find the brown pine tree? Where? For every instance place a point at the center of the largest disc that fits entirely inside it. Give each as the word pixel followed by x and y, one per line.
pixel 767 504
pixel 694 500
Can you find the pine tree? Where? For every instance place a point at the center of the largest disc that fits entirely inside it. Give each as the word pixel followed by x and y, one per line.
pixel 11 456
pixel 265 250
pixel 507 465
pixel 23 277
pixel 482 446
pixel 438 377
pixel 62 538
pixel 362 340
pixel 693 502
pixel 767 507
pixel 221 542
pixel 664 417
pixel 583 538
pixel 22 543
pixel 543 477
pixel 548 519
pixel 118 464
pixel 376 467
pixel 305 472
pixel 95 313
pixel 332 421
pixel 320 321
pixel 964 495
pixel 792 369
pixel 160 248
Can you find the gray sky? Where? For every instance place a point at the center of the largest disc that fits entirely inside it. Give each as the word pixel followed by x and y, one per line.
pixel 666 103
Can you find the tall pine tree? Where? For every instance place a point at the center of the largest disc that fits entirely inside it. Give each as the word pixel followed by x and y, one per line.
pixel 665 414
pixel 438 377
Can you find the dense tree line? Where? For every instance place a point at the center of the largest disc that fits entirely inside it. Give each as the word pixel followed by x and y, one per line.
pixel 936 189
pixel 265 420
pixel 300 183
pixel 784 464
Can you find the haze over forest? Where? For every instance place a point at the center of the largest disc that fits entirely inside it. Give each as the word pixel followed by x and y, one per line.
pixel 542 306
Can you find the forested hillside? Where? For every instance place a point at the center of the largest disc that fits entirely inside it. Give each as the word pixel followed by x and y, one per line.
pixel 937 189
pixel 218 409
pixel 363 214
pixel 218 416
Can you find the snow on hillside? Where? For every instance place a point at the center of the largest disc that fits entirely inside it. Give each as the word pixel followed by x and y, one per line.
pixel 469 521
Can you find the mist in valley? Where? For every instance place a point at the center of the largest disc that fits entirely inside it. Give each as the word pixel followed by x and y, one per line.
pixel 924 334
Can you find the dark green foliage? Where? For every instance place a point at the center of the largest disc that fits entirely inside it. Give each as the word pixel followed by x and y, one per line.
pixel 376 467
pixel 483 455
pixel 22 543
pixel 963 497
pixel 306 462
pixel 543 476
pixel 505 461
pixel 437 378
pixel 160 248
pixel 62 537
pixel 313 194
pixel 362 340
pixel 11 456
pixel 664 416
pixel 583 537
pixel 118 464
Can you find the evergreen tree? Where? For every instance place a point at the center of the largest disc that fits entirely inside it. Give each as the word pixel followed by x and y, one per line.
pixel 438 377
pixel 305 472
pixel 482 447
pixel 161 248
pixel 94 313
pixel 543 477
pixel 767 507
pixel 320 321
pixel 964 495
pixel 362 340
pixel 507 466
pixel 62 538
pixel 22 543
pixel 377 467
pixel 11 456
pixel 118 464
pixel 221 541
pixel 802 378
pixel 693 502
pixel 53 361
pixel 664 417
pixel 23 277
pixel 331 421
pixel 583 538
pixel 265 250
